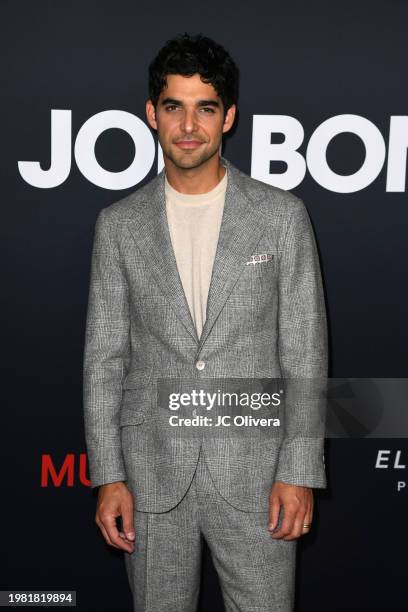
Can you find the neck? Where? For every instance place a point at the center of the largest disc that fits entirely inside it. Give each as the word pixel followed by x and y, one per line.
pixel 201 179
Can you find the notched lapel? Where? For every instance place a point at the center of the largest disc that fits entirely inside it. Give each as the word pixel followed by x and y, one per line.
pixel 150 231
pixel 242 227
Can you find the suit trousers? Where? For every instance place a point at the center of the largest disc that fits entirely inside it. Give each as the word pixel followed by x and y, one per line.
pixel 256 572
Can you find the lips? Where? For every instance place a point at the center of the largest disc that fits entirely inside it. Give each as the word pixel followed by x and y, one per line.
pixel 188 144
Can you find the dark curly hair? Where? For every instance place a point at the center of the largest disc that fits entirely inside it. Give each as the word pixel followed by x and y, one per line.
pixel 188 54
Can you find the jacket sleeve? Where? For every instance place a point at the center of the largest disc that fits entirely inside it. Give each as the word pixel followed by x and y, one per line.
pixel 106 356
pixel 303 354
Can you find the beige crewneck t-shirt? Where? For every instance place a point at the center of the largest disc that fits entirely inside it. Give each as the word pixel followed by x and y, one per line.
pixel 194 223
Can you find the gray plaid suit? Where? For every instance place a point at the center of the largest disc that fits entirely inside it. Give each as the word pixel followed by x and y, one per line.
pixel 263 321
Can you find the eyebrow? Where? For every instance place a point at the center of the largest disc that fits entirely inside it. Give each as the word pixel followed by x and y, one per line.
pixel 199 103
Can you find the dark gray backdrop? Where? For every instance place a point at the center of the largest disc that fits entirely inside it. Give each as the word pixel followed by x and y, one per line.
pixel 310 61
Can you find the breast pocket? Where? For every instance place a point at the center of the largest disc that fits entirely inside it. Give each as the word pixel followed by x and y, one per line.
pixel 257 278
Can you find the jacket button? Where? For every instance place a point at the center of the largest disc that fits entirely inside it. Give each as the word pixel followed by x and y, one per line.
pixel 200 365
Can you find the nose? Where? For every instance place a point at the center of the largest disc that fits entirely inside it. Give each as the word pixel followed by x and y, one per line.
pixel 189 120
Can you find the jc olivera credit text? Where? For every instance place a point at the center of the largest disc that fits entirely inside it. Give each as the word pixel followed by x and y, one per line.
pixel 238 420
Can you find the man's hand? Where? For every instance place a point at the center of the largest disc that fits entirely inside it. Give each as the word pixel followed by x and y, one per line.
pixel 297 505
pixel 115 499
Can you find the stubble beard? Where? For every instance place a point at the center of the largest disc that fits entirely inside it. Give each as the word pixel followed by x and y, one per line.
pixel 187 160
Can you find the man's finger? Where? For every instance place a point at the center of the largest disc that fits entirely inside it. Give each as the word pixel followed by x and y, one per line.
pixel 105 534
pixel 308 520
pixel 274 507
pixel 286 527
pixel 109 522
pixel 297 529
pixel 128 522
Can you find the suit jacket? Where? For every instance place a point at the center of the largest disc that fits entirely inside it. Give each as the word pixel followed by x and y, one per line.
pixel 263 321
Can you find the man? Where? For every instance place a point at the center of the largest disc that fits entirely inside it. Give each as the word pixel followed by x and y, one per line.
pixel 202 273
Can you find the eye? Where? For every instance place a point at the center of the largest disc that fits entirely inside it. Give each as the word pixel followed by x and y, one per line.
pixel 170 107
pixel 208 109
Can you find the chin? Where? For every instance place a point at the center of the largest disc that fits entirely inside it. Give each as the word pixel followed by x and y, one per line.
pixel 187 161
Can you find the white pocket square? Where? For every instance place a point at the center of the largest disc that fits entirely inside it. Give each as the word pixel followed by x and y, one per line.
pixel 261 258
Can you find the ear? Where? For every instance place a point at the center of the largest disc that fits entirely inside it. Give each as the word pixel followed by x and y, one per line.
pixel 229 118
pixel 151 114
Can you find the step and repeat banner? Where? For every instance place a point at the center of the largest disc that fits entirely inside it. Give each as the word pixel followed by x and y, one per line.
pixel 323 112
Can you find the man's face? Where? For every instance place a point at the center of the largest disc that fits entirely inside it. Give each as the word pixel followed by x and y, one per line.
pixel 189 120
